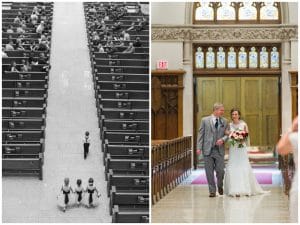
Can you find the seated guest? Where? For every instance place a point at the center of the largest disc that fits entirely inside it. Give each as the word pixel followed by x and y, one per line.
pixel 10 29
pixel 126 36
pixel 43 17
pixel 4 55
pixel 17 20
pixel 100 48
pixel 130 48
pixel 95 38
pixel 9 46
pixel 92 9
pixel 137 42
pixel 111 48
pixel 25 66
pixel 19 46
pixel 42 47
pixel 34 18
pixel 20 30
pixel 116 26
pixel 40 28
pixel 32 60
pixel 42 59
pixel 13 67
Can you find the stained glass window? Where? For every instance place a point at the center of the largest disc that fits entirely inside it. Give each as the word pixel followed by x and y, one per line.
pixel 253 58
pixel 221 58
pixel 242 58
pixel 247 11
pixel 264 63
pixel 226 12
pixel 231 58
pixel 210 58
pixel 204 11
pixel 199 57
pixel 274 58
pixel 268 11
pixel 239 12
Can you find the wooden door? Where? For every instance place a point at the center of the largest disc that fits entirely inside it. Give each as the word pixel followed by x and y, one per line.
pixel 256 97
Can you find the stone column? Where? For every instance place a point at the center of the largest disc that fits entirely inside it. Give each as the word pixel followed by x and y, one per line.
pixel 286 98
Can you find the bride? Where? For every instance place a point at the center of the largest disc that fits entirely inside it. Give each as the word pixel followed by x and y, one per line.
pixel 239 177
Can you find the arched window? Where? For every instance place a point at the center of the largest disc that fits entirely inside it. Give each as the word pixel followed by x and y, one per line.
pixel 236 12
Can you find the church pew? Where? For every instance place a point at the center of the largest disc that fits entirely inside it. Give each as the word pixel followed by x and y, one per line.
pixel 121 55
pixel 145 43
pixel 133 114
pixel 26 53
pixel 126 150
pixel 126 137
pixel 22 166
pixel 16 35
pixel 131 180
pixel 24 92
pixel 24 102
pixel 134 215
pixel 23 112
pixel 120 62
pixel 123 125
pixel 23 124
pixel 128 198
pixel 121 85
pixel 34 84
pixel 122 94
pixel 18 60
pixel 119 50
pixel 126 164
pixel 7 75
pixel 121 69
pixel 34 68
pixel 123 103
pixel 23 149
pixel 25 136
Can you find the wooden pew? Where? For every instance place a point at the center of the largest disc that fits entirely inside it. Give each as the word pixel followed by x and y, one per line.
pixel 7 75
pixel 123 103
pixel 24 92
pixel 25 84
pixel 24 124
pixel 128 198
pixel 122 69
pixel 122 94
pixel 23 136
pixel 120 62
pixel 136 215
pixel 121 85
pixel 24 102
pixel 8 112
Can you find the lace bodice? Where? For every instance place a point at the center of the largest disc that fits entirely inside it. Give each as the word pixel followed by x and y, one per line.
pixel 240 126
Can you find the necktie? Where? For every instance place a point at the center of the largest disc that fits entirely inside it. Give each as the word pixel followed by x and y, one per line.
pixel 217 123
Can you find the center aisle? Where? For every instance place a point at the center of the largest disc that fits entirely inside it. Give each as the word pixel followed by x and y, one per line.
pixel 71 111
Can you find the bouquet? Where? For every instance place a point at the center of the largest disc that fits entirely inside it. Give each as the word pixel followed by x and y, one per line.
pixel 238 137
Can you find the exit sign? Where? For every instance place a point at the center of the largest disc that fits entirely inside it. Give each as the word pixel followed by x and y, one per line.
pixel 162 65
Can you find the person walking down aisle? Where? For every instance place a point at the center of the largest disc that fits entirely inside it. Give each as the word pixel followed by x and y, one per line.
pixel 289 144
pixel 86 144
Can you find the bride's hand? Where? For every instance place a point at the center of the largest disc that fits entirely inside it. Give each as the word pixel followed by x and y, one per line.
pixel 220 142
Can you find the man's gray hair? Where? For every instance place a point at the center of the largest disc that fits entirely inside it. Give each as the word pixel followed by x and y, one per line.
pixel 217 105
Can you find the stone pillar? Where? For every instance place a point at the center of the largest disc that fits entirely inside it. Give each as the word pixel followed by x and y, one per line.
pixel 188 106
pixel 286 98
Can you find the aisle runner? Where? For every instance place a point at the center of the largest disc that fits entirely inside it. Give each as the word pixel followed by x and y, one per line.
pixel 264 176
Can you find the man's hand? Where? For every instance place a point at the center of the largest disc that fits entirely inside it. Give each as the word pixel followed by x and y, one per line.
pixel 220 142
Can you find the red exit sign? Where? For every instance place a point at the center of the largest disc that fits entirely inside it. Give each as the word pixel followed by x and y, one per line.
pixel 162 65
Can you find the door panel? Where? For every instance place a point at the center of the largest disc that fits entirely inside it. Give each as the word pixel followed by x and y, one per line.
pixel 256 97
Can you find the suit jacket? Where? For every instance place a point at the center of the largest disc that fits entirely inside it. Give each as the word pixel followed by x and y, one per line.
pixel 208 135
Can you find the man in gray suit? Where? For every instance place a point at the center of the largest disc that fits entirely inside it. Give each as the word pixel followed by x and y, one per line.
pixel 211 139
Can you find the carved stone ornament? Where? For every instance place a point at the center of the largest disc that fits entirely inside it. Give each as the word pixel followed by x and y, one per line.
pixel 221 33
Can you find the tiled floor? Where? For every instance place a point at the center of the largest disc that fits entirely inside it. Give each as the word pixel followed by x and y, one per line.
pixel 71 111
pixel 190 204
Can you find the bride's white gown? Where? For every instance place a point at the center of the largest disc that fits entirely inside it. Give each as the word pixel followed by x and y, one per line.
pixel 239 177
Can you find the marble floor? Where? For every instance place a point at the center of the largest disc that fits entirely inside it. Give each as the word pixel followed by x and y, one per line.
pixel 71 111
pixel 189 203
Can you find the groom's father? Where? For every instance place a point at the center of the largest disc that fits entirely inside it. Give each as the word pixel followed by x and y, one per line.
pixel 211 139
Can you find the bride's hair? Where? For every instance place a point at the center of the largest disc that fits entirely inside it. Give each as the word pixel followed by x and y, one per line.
pixel 235 110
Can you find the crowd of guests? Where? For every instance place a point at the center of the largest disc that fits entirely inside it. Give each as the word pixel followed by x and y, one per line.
pixel 38 22
pixel 110 37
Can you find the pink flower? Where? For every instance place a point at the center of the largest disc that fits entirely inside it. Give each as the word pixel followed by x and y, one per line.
pixel 198 152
